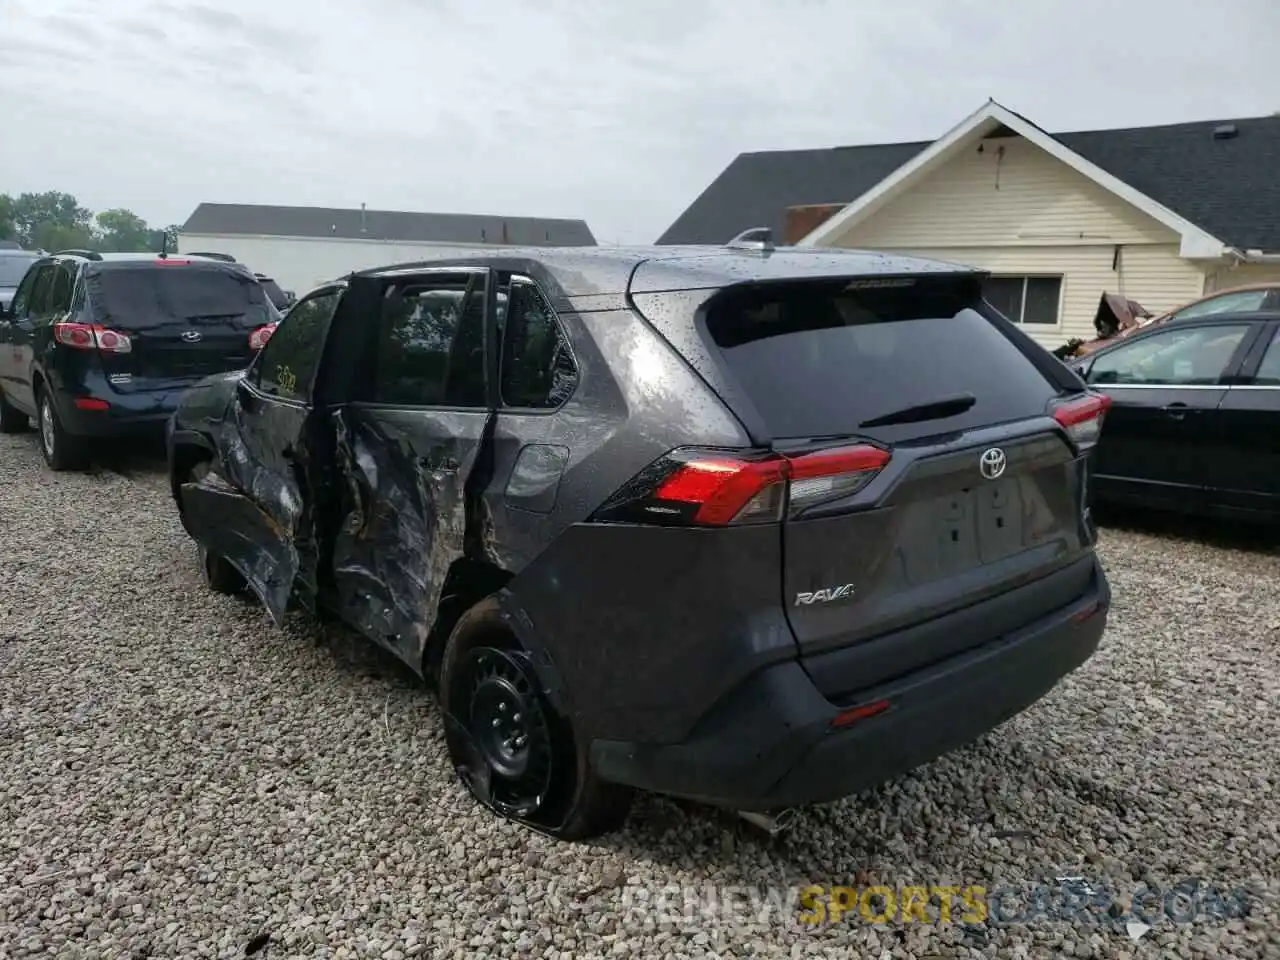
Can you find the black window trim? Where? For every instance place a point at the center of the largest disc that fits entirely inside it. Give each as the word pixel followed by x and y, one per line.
pixel 512 277
pixel 395 276
pixel 1248 372
pixel 251 377
pixel 1230 373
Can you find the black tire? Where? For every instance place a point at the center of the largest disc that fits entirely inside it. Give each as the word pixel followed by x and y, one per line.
pixel 219 575
pixel 62 450
pixel 512 749
pixel 12 420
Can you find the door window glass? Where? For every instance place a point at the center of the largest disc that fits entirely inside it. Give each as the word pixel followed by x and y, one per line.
pixel 60 291
pixel 430 343
pixel 40 291
pixel 288 363
pixel 538 371
pixel 22 298
pixel 1174 357
pixel 1268 374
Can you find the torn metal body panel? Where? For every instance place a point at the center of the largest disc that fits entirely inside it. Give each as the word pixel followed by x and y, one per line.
pixel 403 481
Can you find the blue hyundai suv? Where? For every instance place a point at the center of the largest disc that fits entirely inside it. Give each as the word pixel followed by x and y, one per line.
pixel 104 345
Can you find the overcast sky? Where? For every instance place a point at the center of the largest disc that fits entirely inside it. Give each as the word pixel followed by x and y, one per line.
pixel 616 112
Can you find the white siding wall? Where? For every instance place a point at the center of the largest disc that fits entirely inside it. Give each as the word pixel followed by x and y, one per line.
pixel 1239 275
pixel 1027 213
pixel 298 263
pixel 1155 276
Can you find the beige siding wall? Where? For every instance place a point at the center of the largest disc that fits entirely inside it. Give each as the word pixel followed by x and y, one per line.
pixel 1026 213
pixel 1237 276
pixel 1155 276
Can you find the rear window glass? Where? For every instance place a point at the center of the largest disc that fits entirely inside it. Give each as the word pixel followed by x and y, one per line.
pixel 153 295
pixel 821 359
pixel 13 269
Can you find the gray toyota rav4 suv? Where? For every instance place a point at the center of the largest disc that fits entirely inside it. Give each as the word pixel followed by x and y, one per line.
pixel 755 527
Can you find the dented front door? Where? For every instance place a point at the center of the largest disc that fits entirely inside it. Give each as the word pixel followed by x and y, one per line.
pixel 407 450
pixel 256 507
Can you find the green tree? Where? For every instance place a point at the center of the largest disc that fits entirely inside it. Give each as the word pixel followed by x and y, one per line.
pixel 7 229
pixel 49 219
pixel 122 231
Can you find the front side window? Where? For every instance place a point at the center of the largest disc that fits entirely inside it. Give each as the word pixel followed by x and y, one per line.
pixel 1030 300
pixel 1242 301
pixel 538 371
pixel 1172 357
pixel 22 298
pixel 288 363
pixel 430 343
pixel 40 291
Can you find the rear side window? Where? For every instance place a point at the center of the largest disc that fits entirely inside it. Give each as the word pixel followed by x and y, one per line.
pixel 430 344
pixel 823 359
pixel 538 371
pixel 150 295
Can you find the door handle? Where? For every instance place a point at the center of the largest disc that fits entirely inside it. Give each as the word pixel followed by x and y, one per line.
pixel 1177 410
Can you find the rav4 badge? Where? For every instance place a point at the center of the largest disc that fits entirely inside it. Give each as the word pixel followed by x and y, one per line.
pixel 825 595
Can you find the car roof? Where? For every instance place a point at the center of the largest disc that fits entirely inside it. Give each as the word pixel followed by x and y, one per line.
pixel 586 271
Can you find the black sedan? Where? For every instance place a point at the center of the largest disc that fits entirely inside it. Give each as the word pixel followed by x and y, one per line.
pixel 1194 424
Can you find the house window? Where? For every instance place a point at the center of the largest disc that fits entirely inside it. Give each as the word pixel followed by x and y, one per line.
pixel 1031 300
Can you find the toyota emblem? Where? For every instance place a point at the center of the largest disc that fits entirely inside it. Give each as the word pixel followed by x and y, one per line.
pixel 193 336
pixel 992 463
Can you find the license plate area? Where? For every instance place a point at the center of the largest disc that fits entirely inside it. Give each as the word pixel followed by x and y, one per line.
pixel 955 532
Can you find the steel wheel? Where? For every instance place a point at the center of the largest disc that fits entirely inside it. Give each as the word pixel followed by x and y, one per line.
pixel 505 719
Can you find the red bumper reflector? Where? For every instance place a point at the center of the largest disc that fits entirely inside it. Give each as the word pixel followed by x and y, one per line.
pixel 1086 613
pixel 847 718
pixel 91 403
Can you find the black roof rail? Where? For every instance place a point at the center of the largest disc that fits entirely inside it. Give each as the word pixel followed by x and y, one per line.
pixel 224 257
pixel 87 254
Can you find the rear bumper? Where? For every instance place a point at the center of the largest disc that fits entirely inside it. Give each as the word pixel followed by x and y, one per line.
pixel 770 743
pixel 139 414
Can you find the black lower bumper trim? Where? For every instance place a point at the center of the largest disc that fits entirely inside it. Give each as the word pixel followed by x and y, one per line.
pixel 770 744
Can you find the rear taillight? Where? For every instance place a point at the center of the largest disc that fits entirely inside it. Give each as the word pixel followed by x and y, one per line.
pixel 258 339
pixel 87 336
pixel 715 489
pixel 1082 418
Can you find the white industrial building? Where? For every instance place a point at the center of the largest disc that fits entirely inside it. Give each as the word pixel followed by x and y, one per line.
pixel 300 247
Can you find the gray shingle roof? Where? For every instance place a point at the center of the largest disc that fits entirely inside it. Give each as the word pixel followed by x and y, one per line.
pixel 1229 188
pixel 267 220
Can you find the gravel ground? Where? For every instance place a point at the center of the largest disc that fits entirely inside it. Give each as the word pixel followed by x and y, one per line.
pixel 181 779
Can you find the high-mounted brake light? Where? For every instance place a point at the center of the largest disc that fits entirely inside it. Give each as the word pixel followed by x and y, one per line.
pixel 172 262
pixel 707 488
pixel 87 336
pixel 1082 418
pixel 258 339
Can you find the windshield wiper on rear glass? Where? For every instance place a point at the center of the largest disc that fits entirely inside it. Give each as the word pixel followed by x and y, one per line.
pixel 933 410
